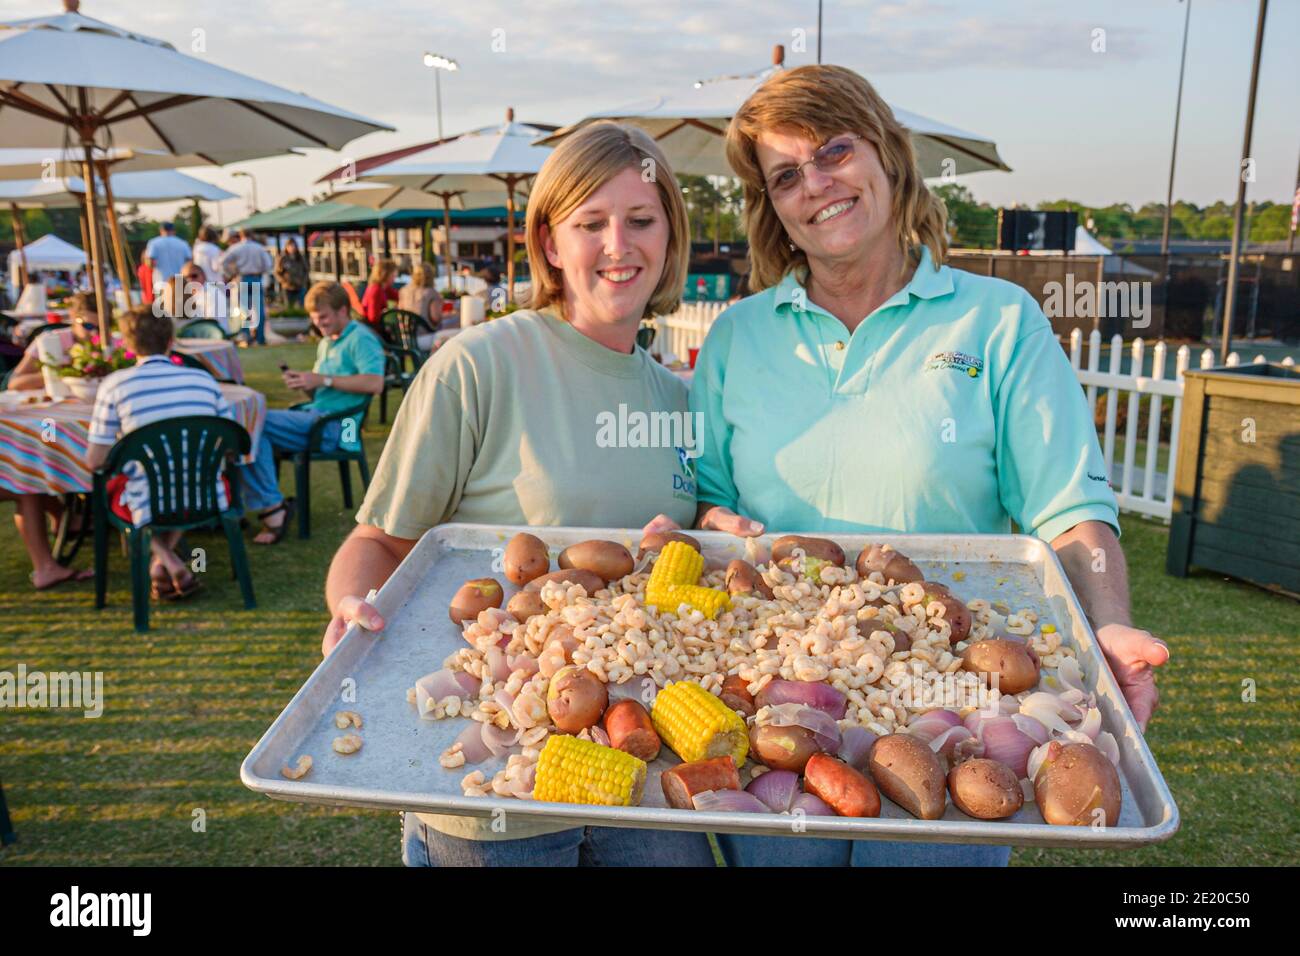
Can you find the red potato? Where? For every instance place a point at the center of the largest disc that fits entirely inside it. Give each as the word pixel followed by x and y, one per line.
pixel 575 699
pixel 743 578
pixel 682 782
pixel 558 651
pixel 735 694
pixel 840 787
pixel 524 604
pixel 902 642
pixel 629 728
pixel 526 557
pixel 474 597
pixel 908 772
pixel 817 549
pixel 782 748
pixel 956 613
pixel 656 540
pixel 894 565
pixel 607 559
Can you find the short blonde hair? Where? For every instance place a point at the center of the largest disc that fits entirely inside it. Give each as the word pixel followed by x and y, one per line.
pixel 423 275
pixel 580 165
pixel 381 270
pixel 820 102
pixel 328 294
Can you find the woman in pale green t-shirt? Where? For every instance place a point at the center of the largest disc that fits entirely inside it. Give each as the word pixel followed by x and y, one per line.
pixel 508 423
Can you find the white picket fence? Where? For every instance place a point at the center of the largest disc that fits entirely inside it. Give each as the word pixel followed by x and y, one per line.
pixel 1140 488
pixel 1145 490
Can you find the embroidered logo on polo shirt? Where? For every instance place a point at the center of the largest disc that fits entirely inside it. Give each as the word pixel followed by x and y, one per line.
pixel 684 482
pixel 972 365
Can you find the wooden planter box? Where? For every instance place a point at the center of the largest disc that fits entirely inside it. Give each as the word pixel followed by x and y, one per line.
pixel 1236 507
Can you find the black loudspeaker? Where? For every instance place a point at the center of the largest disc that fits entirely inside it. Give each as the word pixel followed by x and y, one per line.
pixel 1026 229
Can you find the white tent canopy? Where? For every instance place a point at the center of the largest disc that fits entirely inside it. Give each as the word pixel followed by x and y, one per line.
pixel 162 185
pixel 690 127
pixel 50 254
pixel 1086 244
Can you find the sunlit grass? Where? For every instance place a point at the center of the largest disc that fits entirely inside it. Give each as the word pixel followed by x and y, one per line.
pixel 186 702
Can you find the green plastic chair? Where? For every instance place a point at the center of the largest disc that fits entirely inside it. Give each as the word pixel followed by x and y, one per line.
pixel 202 329
pixel 398 331
pixel 182 459
pixel 343 454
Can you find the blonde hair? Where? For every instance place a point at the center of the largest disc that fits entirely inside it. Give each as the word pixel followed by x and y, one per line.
pixel 580 165
pixel 331 295
pixel 381 270
pixel 423 275
pixel 820 102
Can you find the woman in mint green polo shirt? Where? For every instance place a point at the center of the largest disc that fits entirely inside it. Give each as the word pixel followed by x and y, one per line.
pixel 508 424
pixel 868 387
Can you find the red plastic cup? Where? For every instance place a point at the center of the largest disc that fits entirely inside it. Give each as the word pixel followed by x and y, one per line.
pixel 694 354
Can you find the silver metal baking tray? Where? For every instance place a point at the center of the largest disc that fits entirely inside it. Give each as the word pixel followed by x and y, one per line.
pixel 398 768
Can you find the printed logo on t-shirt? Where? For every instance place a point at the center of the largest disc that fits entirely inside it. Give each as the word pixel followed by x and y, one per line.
pixel 971 365
pixel 684 480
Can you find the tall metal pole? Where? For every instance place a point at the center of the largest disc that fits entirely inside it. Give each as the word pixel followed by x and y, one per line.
pixel 819 31
pixel 1173 152
pixel 1295 202
pixel 437 87
pixel 1230 300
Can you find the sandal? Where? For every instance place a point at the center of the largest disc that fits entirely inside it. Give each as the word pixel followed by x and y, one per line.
pixel 288 507
pixel 184 585
pixel 161 588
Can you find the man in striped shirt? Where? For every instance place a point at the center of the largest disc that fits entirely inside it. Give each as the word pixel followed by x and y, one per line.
pixel 154 389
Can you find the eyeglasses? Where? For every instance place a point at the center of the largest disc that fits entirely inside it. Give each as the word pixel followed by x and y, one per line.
pixel 827 159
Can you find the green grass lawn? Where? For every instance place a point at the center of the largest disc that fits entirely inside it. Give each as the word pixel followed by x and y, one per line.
pixel 186 702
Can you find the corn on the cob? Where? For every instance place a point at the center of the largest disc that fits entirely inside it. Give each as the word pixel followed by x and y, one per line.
pixel 674 582
pixel 570 770
pixel 695 725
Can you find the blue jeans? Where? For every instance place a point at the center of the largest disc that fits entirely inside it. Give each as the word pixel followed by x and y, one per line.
pixel 805 851
pixel 285 430
pixel 252 299
pixel 582 846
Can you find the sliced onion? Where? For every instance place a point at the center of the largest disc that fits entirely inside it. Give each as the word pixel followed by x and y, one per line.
pixel 599 736
pixel 1090 726
pixel 814 694
pixel 946 741
pixel 1070 673
pixel 812 806
pixel 498 741
pixel 1007 744
pixel 1030 728
pixel 497 664
pixel 1106 743
pixel 523 662
pixel 1045 708
pixel 505 699
pixel 967 749
pixel 1008 704
pixel 730 801
pixel 1073 696
pixel 822 725
pixel 472 745
pixel 855 746
pixel 933 723
pixel 776 788
pixel 1036 758
pixel 1027 788
pixel 447 683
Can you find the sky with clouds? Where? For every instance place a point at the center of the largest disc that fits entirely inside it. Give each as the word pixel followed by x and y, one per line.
pixel 1070 121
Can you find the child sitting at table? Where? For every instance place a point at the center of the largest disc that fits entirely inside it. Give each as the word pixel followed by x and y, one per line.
pixel 152 390
pixel 83 322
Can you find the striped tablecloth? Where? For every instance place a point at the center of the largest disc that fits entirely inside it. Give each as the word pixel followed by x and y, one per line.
pixel 43 446
pixel 221 357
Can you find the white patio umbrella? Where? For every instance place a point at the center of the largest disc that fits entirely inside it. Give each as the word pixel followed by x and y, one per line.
pixel 161 185
pixel 504 155
pixel 69 79
pixel 690 128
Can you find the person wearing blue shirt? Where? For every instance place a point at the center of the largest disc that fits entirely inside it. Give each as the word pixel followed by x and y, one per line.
pixel 166 255
pixel 349 364
pixel 869 387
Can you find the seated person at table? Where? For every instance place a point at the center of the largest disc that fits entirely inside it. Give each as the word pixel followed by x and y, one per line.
pixel 420 296
pixel 349 364
pixel 190 296
pixel 152 390
pixel 379 291
pixel 83 323
pixel 30 518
